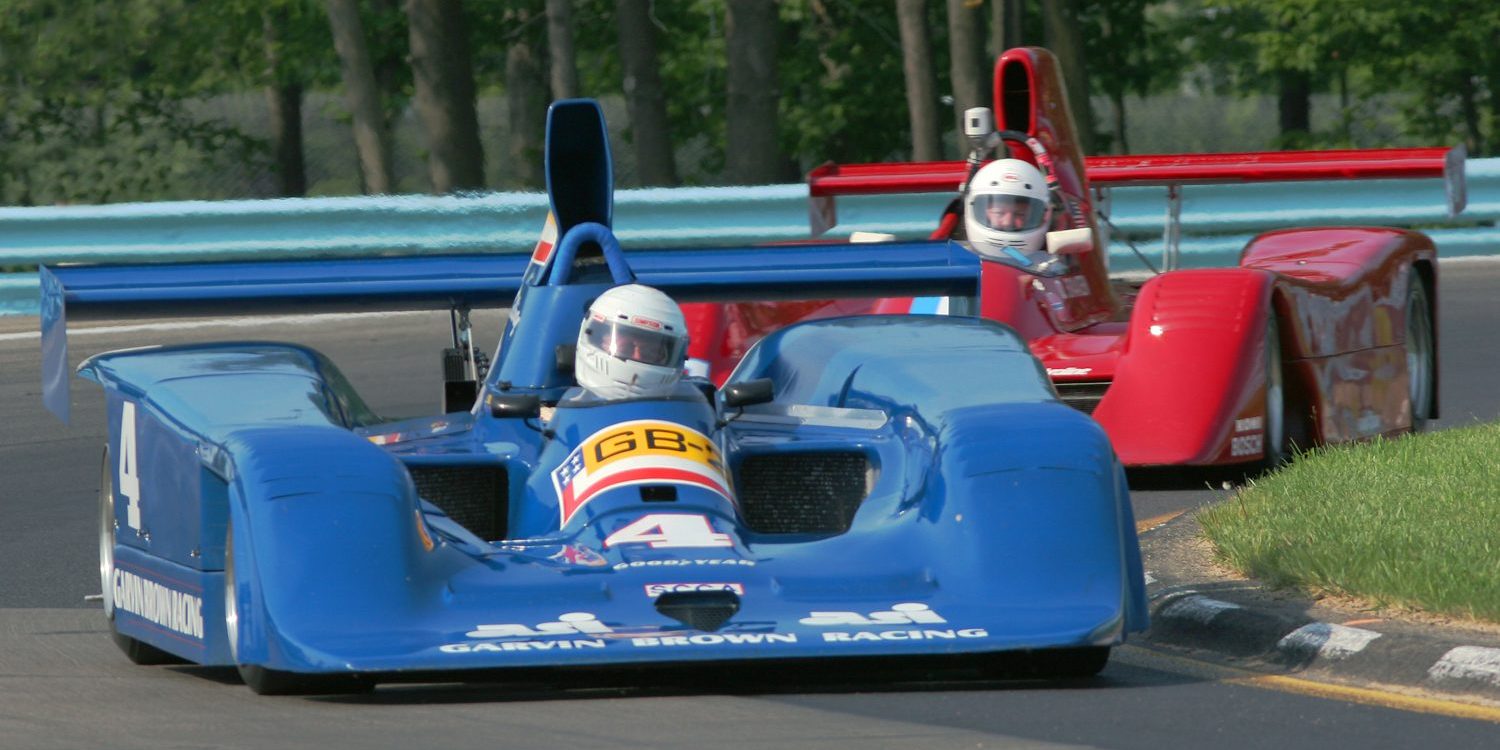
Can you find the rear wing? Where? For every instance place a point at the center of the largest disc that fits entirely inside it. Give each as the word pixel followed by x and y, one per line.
pixel 463 282
pixel 1172 171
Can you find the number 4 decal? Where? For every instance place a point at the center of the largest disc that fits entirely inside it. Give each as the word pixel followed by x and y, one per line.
pixel 129 481
pixel 670 530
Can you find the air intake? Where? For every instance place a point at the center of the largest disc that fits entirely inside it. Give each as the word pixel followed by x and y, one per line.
pixel 699 610
pixel 474 496
pixel 1084 397
pixel 803 492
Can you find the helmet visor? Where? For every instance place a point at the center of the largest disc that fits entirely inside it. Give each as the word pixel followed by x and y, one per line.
pixel 624 341
pixel 1009 213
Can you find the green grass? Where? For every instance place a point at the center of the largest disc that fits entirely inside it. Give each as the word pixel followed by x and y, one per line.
pixel 1412 522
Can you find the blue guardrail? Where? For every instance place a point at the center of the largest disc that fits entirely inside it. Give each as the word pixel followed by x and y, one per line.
pixel 1217 220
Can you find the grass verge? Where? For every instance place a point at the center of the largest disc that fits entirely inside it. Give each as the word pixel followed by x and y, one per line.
pixel 1412 522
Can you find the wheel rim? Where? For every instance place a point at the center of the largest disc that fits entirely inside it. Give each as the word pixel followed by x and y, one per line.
pixel 231 603
pixel 107 538
pixel 1418 353
pixel 1275 396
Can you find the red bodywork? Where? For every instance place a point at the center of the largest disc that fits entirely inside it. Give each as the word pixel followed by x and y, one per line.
pixel 1176 370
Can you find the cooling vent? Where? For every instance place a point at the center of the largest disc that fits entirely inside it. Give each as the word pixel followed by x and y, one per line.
pixel 790 493
pixel 474 496
pixel 699 610
pixel 1084 397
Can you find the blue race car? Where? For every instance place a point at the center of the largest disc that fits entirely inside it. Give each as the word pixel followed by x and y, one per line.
pixel 875 486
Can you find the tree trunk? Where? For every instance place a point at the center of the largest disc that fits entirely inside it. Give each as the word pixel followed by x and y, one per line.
pixel 564 61
pixel 1005 25
pixel 1064 37
pixel 390 81
pixel 444 83
pixel 753 142
pixel 284 100
pixel 966 53
pixel 650 132
pixel 1467 104
pixel 1117 103
pixel 921 84
pixel 525 99
pixel 1295 106
pixel 285 104
pixel 372 140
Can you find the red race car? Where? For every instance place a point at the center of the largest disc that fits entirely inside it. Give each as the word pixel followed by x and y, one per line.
pixel 1317 335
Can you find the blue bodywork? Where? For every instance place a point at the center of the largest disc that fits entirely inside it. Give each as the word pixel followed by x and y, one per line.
pixel 914 487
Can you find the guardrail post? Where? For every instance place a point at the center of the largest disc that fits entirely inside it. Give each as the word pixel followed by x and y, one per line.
pixel 1171 235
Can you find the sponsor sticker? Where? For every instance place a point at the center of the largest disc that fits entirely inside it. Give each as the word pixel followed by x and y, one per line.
pixel 1057 371
pixel 177 611
pixel 638 452
pixel 654 590
pixel 909 613
pixel 544 244
pixel 714 639
pixel 573 554
pixel 673 563
pixel 946 634
pixel 1247 445
pixel 572 623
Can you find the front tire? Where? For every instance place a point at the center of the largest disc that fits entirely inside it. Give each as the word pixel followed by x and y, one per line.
pixel 1053 663
pixel 136 651
pixel 1420 352
pixel 265 681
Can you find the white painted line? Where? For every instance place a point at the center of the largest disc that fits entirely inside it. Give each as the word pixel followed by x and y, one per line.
pixel 1468 663
pixel 1327 640
pixel 253 321
pixel 1198 608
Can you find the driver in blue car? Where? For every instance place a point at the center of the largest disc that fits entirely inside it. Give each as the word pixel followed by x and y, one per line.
pixel 632 343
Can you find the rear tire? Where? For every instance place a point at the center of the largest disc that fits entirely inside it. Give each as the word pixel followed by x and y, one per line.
pixel 136 651
pixel 1274 442
pixel 270 681
pixel 1420 363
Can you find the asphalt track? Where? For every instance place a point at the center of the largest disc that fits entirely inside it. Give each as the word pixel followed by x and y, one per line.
pixel 64 685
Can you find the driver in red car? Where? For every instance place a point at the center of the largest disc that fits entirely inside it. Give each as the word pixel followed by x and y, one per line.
pixel 1007 213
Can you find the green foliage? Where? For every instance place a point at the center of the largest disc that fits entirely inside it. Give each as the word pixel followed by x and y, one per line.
pixel 842 83
pixel 102 95
pixel 1433 68
pixel 104 99
pixel 1413 522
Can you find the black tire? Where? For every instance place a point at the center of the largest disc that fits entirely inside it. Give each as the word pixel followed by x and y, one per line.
pixel 1420 352
pixel 274 682
pixel 136 651
pixel 1053 664
pixel 270 681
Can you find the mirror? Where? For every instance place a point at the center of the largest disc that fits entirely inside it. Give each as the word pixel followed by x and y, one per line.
pixel 515 406
pixel 565 354
pixel 758 391
pixel 1070 241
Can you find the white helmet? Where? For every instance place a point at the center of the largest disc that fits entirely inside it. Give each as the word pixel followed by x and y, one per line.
pixel 1007 206
pixel 633 340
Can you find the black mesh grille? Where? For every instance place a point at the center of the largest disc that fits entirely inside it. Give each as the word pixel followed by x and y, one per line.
pixel 474 496
pixel 1082 396
pixel 700 610
pixel 789 493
